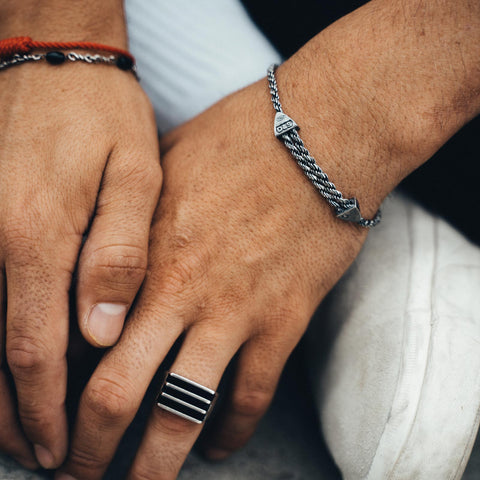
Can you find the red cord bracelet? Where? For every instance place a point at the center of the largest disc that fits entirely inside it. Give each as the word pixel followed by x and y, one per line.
pixel 18 50
pixel 24 45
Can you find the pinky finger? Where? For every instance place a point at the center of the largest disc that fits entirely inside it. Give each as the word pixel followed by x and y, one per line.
pixel 258 371
pixel 12 439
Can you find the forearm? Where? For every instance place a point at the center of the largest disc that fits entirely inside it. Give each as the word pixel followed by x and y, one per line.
pixel 63 20
pixel 379 91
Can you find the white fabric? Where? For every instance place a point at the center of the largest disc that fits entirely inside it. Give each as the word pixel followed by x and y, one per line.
pixel 400 394
pixel 192 53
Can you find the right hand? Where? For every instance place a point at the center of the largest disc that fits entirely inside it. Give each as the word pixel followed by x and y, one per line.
pixel 78 155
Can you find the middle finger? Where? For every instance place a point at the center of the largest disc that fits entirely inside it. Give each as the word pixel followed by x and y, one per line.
pixel 169 438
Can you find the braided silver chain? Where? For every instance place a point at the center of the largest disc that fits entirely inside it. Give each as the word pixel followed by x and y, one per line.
pixel 286 130
pixel 18 59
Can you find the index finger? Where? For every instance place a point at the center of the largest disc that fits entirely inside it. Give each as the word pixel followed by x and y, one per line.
pixel 117 387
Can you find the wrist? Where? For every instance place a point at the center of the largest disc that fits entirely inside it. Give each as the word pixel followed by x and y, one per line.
pixel 378 93
pixel 348 141
pixel 58 20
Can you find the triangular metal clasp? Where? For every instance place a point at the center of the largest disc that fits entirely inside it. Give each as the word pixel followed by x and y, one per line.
pixel 283 124
pixel 351 213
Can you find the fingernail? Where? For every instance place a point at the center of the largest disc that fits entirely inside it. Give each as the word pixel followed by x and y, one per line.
pixel 64 476
pixel 105 322
pixel 217 454
pixel 44 457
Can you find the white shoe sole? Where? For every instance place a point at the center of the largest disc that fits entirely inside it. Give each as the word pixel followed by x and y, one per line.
pixel 400 395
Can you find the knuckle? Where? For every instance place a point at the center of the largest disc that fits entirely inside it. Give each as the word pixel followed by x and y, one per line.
pixel 25 355
pixel 250 404
pixel 290 320
pixel 124 265
pixel 33 418
pixel 86 459
pixel 38 242
pixel 109 400
pixel 183 275
pixel 19 236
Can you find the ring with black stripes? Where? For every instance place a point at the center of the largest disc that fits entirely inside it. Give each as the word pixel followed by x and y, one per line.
pixel 186 398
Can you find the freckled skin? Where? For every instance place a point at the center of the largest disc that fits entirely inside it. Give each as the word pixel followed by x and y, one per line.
pixel 74 165
pixel 242 248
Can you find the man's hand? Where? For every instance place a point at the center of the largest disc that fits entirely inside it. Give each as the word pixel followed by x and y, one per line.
pixel 78 157
pixel 243 248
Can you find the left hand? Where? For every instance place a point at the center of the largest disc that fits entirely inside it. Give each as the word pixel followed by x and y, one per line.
pixel 243 250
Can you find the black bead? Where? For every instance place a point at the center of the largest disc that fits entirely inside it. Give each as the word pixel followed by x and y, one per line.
pixel 55 58
pixel 124 63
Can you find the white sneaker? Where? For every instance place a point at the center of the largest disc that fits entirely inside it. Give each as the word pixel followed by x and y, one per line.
pixel 399 394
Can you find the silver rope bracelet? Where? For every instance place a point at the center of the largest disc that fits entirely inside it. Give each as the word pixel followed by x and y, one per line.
pixel 57 58
pixel 285 129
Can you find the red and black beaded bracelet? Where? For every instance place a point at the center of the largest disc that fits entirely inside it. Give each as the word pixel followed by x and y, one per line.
pixel 19 50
